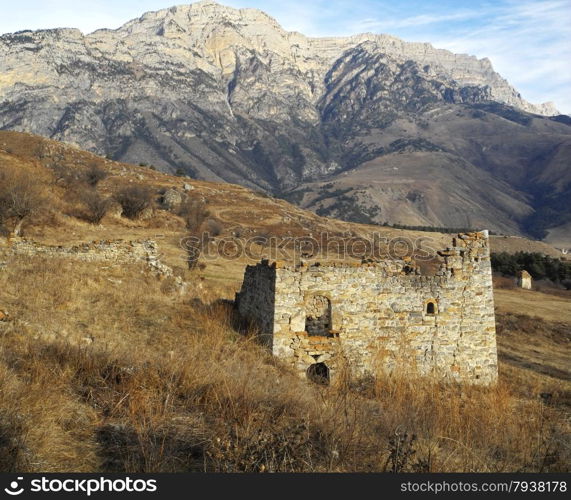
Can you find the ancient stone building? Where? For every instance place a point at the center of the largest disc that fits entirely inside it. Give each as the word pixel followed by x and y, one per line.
pixel 524 280
pixel 379 316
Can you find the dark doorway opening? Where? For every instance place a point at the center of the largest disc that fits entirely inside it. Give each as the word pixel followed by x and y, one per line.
pixel 430 308
pixel 318 373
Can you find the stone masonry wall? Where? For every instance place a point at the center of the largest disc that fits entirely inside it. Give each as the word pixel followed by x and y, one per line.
pixel 256 300
pixel 523 280
pixel 117 252
pixel 380 318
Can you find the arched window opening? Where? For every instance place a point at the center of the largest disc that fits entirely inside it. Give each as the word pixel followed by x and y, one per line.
pixel 431 308
pixel 318 373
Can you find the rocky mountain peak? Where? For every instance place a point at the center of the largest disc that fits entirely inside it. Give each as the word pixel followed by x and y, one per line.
pixel 227 94
pixel 195 18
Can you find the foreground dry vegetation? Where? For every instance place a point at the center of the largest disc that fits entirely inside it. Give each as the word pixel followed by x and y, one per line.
pixel 110 369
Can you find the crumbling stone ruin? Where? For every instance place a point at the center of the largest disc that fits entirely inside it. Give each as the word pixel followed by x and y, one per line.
pixel 524 280
pixel 369 317
pixel 109 251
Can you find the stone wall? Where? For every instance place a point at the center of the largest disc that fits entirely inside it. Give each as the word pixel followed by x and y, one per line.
pixel 257 303
pixel 384 316
pixel 116 252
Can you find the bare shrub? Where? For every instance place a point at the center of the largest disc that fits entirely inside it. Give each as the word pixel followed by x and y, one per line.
pixel 194 213
pixel 195 216
pixel 95 205
pixel 194 246
pixel 504 283
pixel 94 175
pixel 64 175
pixel 134 200
pixel 214 227
pixel 21 198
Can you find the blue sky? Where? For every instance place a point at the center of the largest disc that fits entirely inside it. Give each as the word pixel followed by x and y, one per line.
pixel 528 41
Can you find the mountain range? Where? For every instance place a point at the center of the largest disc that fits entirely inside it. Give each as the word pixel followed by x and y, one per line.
pixel 367 128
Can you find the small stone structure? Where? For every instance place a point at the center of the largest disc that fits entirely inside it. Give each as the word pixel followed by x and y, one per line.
pixel 109 251
pixel 524 280
pixel 379 316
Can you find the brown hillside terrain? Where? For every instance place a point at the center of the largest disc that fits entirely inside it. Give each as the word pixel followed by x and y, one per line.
pixel 113 368
pixel 545 306
pixel 452 168
pixel 423 189
pixel 236 207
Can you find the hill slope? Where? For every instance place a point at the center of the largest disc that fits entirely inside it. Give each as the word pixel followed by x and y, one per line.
pixel 110 368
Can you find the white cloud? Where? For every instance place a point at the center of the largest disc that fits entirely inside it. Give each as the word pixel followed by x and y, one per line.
pixel 528 43
pixel 386 25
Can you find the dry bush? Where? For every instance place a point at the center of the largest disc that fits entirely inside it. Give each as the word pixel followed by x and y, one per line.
pixel 94 175
pixel 504 283
pixel 94 205
pixel 21 198
pixel 196 220
pixel 194 213
pixel 134 200
pixel 214 227
pixel 64 175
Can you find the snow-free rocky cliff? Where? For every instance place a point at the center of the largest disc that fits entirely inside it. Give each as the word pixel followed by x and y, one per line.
pixel 227 94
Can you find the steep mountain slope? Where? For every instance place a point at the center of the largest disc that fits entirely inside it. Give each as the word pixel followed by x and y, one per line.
pixel 453 166
pixel 228 95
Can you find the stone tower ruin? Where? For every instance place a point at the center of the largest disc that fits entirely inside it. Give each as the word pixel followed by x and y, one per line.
pixel 379 316
pixel 524 280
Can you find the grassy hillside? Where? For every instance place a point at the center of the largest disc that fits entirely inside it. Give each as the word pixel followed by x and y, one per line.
pixel 112 368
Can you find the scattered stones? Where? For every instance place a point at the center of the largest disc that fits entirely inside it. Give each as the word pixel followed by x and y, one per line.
pixel 172 199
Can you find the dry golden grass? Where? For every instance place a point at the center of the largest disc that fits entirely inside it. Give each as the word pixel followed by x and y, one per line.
pixel 548 307
pixel 106 369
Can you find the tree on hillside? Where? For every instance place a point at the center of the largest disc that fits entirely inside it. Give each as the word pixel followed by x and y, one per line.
pixel 20 198
pixel 196 217
pixel 134 200
pixel 94 174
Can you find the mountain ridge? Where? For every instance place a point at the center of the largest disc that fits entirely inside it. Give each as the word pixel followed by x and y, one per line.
pixel 228 95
